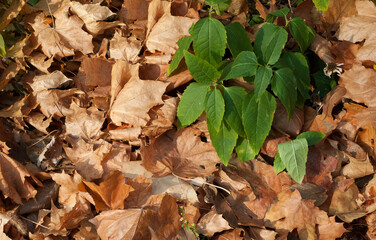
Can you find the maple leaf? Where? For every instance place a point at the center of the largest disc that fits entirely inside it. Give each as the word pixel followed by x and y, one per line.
pixel 292 212
pixel 211 223
pixel 360 27
pixel 181 152
pixel 64 37
pixel 135 100
pixel 111 193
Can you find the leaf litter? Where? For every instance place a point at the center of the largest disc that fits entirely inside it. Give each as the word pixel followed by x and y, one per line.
pixel 90 149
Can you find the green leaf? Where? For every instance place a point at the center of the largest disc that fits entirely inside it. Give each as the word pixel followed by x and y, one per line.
pixel 215 108
pixel 284 86
pixel 312 137
pixel 258 118
pixel 209 40
pixel 244 150
pixel 269 43
pixel 321 5
pixel 323 83
pixel 297 62
pixel 234 97
pixel 200 69
pixel 219 5
pixel 303 34
pixel 271 17
pixel 279 166
pixel 223 141
pixel 294 156
pixel 183 44
pixel 244 65
pixel 237 39
pixel 262 80
pixel 191 104
pixel 3 51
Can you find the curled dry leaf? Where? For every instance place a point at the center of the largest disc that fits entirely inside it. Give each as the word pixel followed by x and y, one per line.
pixel 135 100
pixel 52 80
pixel 182 153
pixel 111 193
pixel 124 48
pixel 40 61
pixel 360 27
pixel 360 85
pixel 16 180
pixel 212 223
pixel 332 230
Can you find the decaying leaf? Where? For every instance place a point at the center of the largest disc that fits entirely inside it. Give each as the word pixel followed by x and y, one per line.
pixel 212 223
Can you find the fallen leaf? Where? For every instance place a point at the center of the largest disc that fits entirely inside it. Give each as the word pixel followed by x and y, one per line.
pixel 358 168
pixel 332 230
pixel 182 153
pixel 40 61
pixel 142 191
pixel 212 223
pixel 359 27
pixel 291 211
pixel 135 100
pixel 291 126
pixel 124 48
pixel 133 10
pixel 235 234
pixel 11 12
pixel 111 193
pixel 359 84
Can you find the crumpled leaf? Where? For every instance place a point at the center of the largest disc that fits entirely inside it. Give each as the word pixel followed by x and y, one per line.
pixel 16 180
pixel 124 48
pixel 212 223
pixel 182 153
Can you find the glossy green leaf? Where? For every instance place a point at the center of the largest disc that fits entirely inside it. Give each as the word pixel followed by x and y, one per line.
pixel 215 108
pixel 234 97
pixel 223 141
pixel 244 65
pixel 271 17
pixel 262 80
pixel 269 42
pixel 209 40
pixel 3 51
pixel 294 156
pixel 183 44
pixel 244 150
pixel 312 137
pixel 323 83
pixel 321 5
pixel 297 62
pixel 200 69
pixel 284 86
pixel 192 103
pixel 237 39
pixel 303 34
pixel 258 118
pixel 279 166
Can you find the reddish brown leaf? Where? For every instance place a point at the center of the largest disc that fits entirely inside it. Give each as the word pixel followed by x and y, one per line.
pixel 212 223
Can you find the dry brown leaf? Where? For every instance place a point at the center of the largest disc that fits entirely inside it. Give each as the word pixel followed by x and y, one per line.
pixel 166 32
pixel 111 193
pixel 332 230
pixel 117 224
pixel 157 8
pixel 96 73
pixel 16 180
pixel 66 35
pixel 135 100
pixel 291 126
pixel 142 191
pixel 53 80
pixel 212 223
pixel 94 16
pixel 131 134
pixel 360 27
pixel 182 153
pixel 86 231
pixel 40 61
pixel 133 10
pixel 124 48
pixel 39 121
pixel 119 155
pixel 87 156
pixel 265 234
pixel 360 85
pixel 71 189
pixel 358 168
pixel 292 212
pixel 9 73
pixel 84 123
pixel 337 10
pixel 11 12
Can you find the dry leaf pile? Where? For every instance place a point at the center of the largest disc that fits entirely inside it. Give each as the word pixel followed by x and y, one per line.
pixel 89 147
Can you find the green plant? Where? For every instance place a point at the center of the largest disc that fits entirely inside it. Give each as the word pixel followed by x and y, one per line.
pixel 235 118
pixel 185 223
